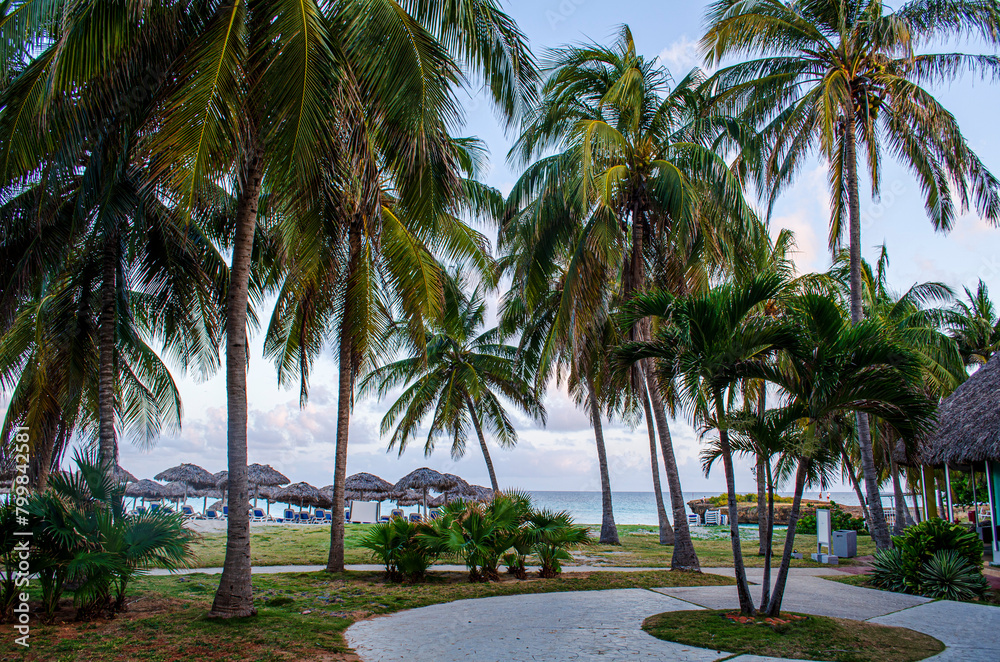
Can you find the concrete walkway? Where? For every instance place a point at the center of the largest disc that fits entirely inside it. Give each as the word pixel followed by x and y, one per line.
pixel 606 626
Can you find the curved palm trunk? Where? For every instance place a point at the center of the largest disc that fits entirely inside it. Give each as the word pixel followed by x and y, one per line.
pixel 609 532
pixel 482 444
pixel 877 525
pixel 684 557
pixel 666 531
pixel 234 596
pixel 108 448
pixel 774 606
pixel 742 586
pixel 345 393
pixel 853 476
pixel 902 513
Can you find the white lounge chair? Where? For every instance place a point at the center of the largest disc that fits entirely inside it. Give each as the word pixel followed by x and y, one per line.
pixel 713 518
pixel 693 519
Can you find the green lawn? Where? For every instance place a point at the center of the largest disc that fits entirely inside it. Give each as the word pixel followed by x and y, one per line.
pixel 793 636
pixel 310 545
pixel 300 616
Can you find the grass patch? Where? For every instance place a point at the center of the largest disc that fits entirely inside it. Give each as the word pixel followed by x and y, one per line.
pixel 864 581
pixel 301 616
pixel 310 545
pixel 794 636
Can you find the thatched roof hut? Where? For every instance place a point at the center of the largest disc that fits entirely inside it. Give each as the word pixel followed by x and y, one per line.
pixel 968 427
pixel 122 476
pixel 259 475
pixel 422 480
pixel 302 494
pixel 408 498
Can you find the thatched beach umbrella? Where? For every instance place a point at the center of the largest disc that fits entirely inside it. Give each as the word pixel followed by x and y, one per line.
pixel 424 479
pixel 175 491
pixel 191 476
pixel 222 484
pixel 144 489
pixel 366 487
pixel 408 498
pixel 263 475
pixel 122 476
pixel 206 494
pixel 301 493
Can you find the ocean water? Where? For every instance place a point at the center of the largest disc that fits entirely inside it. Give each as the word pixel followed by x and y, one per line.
pixel 638 507
pixel 585 507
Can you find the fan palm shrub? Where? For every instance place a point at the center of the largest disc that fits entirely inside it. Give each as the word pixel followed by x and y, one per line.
pixel 848 79
pixel 81 534
pixel 552 536
pixel 399 547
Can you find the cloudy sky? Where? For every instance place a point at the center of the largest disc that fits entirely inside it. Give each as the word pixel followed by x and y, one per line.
pixel 300 442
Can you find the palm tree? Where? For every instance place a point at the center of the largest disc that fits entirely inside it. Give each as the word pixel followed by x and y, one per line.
pixel 835 368
pixel 841 76
pixel 974 325
pixel 709 343
pixel 633 176
pixel 460 379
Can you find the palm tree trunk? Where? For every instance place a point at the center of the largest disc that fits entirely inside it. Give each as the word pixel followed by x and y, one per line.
pixel 609 532
pixel 853 476
pixel 482 444
pixel 108 448
pixel 897 490
pixel 876 523
pixel 345 393
pixel 774 606
pixel 742 587
pixel 768 552
pixel 234 597
pixel 666 531
pixel 684 556
pixel 761 478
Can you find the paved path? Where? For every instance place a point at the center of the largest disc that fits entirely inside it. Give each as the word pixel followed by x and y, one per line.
pixel 606 626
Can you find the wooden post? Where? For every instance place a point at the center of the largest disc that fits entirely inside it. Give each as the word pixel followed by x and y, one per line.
pixel 947 495
pixel 927 483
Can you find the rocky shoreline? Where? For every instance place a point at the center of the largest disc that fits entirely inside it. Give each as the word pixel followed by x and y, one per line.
pixel 748 511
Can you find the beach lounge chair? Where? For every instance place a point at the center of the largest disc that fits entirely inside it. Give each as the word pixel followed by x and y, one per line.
pixel 257 515
pixel 713 518
pixel 347 515
pixel 305 516
pixel 141 510
pixel 329 516
pixel 396 512
pixel 319 516
pixel 435 514
pixel 384 518
pixel 153 507
pixel 212 513
pixel 288 515
pixel 188 512
pixel 415 517
pixel 225 511
pixel 693 519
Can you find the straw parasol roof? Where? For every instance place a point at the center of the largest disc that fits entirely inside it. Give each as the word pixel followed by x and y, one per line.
pixel 424 479
pixel 175 490
pixel 408 498
pixel 302 494
pixel 190 474
pixel 968 427
pixel 144 489
pixel 260 475
pixel 365 486
pixel 122 476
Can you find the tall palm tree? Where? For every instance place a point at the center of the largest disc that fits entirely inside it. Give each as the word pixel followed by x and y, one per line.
pixel 637 175
pixel 460 376
pixel 709 343
pixel 846 78
pixel 975 326
pixel 834 368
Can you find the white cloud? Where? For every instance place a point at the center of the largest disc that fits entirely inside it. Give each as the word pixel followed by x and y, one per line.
pixel 681 56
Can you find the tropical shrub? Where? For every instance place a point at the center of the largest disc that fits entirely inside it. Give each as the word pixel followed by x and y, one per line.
pixel 949 576
pixel 481 533
pixel 723 499
pixel 397 545
pixel 553 535
pixel 82 536
pixel 934 558
pixel 841 521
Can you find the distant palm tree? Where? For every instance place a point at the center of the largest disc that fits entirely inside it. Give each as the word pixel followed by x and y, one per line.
pixel 460 376
pixel 974 325
pixel 708 344
pixel 634 176
pixel 839 76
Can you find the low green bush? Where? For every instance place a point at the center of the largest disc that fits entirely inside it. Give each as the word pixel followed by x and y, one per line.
pixel 399 547
pixel 841 521
pixel 723 499
pixel 936 559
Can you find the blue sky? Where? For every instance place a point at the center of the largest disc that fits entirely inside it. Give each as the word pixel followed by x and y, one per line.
pixel 300 442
